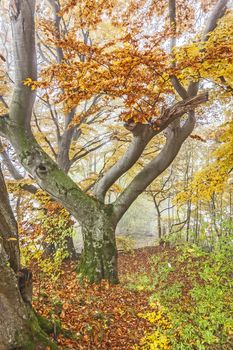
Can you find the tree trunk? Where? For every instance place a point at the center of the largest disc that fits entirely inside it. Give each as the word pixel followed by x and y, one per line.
pixel 19 327
pixel 188 220
pixel 99 256
pixel 8 227
pixel 159 227
pixel 70 248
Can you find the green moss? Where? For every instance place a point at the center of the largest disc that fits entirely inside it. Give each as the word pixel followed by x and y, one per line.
pixel 35 335
pixel 45 324
pixel 97 263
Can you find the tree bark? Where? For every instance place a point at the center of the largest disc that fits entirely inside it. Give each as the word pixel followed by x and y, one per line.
pixel 8 227
pixel 159 226
pixel 99 256
pixel 19 327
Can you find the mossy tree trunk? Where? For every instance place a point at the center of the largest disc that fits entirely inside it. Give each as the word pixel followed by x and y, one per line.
pixel 19 327
pixel 99 256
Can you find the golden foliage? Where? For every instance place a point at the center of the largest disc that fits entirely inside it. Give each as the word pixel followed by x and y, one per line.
pixel 217 175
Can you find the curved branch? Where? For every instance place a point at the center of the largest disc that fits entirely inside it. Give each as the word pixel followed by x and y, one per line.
pixel 142 135
pixel 217 12
pixel 148 174
pixel 175 138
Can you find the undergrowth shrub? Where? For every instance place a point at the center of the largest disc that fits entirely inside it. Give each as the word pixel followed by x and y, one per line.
pixel 125 243
pixel 192 294
pixel 43 236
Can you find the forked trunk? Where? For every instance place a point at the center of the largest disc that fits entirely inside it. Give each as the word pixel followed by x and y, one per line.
pixel 99 256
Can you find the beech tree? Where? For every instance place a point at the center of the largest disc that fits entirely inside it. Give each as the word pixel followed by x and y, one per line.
pixel 98 219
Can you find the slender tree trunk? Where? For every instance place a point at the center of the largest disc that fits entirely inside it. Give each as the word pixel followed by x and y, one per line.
pixel 169 215
pixel 214 215
pixel 159 227
pixel 196 224
pixel 188 220
pixel 99 256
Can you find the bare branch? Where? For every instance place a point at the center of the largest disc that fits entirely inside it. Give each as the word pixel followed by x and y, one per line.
pixel 8 163
pixel 142 135
pixel 217 12
pixel 75 159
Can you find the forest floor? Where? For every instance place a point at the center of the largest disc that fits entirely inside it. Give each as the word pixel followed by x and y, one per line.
pixel 164 301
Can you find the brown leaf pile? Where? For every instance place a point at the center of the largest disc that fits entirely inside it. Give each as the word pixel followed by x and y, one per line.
pixel 99 316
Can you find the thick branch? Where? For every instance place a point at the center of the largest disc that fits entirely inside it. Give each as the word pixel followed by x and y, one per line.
pixel 179 87
pixel 176 137
pixel 217 12
pixel 189 124
pixel 148 174
pixel 64 144
pixel 142 135
pixel 23 31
